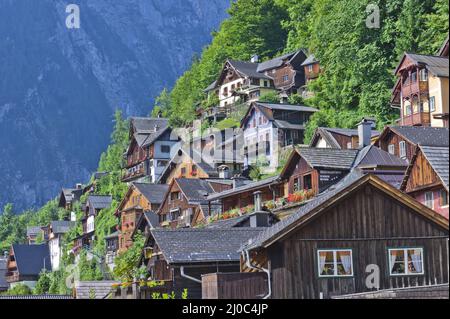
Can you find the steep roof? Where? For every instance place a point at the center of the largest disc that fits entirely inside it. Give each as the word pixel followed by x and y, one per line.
pixel 31 259
pixel 438 159
pixel 423 135
pixel 249 69
pixel 351 182
pixel 310 60
pixel 34 230
pixel 154 193
pixel 99 201
pixel 276 62
pixel 194 189
pixel 328 157
pixel 147 129
pixel 348 132
pixel 287 107
pixel 437 65
pixel 189 246
pixel 372 156
pixel 61 226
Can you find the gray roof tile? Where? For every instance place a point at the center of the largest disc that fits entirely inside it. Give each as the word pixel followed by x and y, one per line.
pixel 424 135
pixel 329 157
pixel 438 159
pixel 154 193
pixel 185 246
pixel 32 259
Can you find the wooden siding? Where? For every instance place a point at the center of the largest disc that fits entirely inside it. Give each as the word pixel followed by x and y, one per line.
pixel 392 138
pixel 186 164
pixel 422 175
pixel 368 222
pixel 234 286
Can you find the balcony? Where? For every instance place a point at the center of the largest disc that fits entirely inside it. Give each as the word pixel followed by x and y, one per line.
pixel 133 173
pixel 410 88
pixel 416 119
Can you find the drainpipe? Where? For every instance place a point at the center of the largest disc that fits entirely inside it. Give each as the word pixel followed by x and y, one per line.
pixel 189 277
pixel 249 265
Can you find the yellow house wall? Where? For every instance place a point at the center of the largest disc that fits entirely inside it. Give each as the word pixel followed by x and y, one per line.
pixel 438 87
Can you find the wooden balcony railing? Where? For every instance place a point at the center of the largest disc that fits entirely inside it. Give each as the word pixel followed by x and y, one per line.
pixel 421 118
pixel 411 88
pixel 133 173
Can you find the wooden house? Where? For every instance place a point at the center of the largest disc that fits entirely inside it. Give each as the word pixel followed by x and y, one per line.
pixel 185 204
pixel 339 138
pixel 33 234
pixel 316 169
pixel 54 233
pixel 312 70
pixel 112 249
pixel 69 196
pixel 268 127
pixel 197 252
pixel 92 208
pixel 422 89
pixel 140 198
pixel 402 141
pixel 149 151
pixel 203 160
pixel 26 262
pixel 361 235
pixel 427 178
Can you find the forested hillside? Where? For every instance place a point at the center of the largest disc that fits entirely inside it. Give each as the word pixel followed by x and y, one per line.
pixel 358 61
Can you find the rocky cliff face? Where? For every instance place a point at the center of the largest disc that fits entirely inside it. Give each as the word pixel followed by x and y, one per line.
pixel 59 87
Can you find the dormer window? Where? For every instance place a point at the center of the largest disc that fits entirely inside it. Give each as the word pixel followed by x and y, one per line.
pixel 423 75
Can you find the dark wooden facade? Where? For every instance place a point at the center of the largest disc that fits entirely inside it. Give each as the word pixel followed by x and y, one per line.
pixel 234 286
pixel 368 221
pixel 389 137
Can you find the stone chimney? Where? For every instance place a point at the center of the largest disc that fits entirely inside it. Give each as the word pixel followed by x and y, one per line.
pixel 259 218
pixel 224 172
pixel 365 132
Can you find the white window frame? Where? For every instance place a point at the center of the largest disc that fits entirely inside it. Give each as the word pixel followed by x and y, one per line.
pixel 432 199
pixel 405 251
pixel 432 104
pixel 391 149
pixel 335 251
pixel 402 149
pixel 310 68
pixel 443 193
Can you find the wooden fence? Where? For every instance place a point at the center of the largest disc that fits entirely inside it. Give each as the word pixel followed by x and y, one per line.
pixel 234 286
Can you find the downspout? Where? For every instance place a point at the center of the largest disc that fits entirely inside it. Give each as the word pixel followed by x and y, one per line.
pixel 249 265
pixel 189 277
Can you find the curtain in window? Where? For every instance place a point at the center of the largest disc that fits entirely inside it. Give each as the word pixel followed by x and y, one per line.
pixel 347 263
pixel 393 260
pixel 416 258
pixel 322 259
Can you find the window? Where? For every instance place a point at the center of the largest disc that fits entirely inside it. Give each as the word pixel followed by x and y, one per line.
pixel 307 182
pixel 391 149
pixel 349 145
pixel 183 171
pixel 429 200
pixel 432 104
pixel 408 110
pixel 310 68
pixel 402 147
pixel 165 149
pixel 335 263
pixel 285 78
pixel 194 169
pixel 175 196
pixel 162 163
pixel 444 198
pixel 423 75
pixel 403 262
pixel 414 77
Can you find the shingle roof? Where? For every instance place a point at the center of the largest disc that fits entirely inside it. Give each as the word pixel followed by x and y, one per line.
pixel 287 107
pixel 329 157
pixel 148 130
pixel 195 189
pixel 348 132
pixel 249 69
pixel 32 259
pixel 424 135
pixel 310 60
pixel 154 193
pixel 244 188
pixel 228 223
pixel 34 230
pixel 276 62
pixel 437 65
pixel 185 246
pixel 99 201
pixel 61 226
pixel 211 87
pixel 374 156
pixel 438 159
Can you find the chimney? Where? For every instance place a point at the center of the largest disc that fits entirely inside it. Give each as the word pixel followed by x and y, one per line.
pixel 156 127
pixel 258 201
pixel 224 172
pixel 365 132
pixel 259 218
pixel 79 186
pixel 255 59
